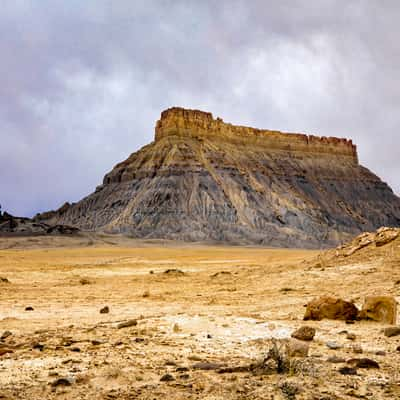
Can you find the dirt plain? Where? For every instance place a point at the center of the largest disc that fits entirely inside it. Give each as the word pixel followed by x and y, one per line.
pixel 203 315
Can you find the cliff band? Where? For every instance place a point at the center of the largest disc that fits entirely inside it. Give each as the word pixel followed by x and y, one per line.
pixel 205 180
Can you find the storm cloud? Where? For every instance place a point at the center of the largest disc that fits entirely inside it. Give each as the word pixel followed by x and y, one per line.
pixel 83 82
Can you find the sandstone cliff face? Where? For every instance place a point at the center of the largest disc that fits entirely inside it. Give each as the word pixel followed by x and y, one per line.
pixel 205 180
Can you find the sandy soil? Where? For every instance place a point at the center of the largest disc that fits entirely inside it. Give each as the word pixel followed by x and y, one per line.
pixel 220 305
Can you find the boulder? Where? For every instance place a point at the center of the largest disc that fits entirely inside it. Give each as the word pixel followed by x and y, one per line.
pixel 297 348
pixel 380 309
pixel 305 333
pixel 392 331
pixel 330 308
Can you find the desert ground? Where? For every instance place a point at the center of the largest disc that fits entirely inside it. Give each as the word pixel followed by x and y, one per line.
pixel 200 320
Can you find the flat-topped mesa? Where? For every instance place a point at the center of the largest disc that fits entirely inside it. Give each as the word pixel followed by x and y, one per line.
pixel 182 122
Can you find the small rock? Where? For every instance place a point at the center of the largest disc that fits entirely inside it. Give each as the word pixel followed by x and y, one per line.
pixel 351 336
pixel 333 345
pixel 392 331
pixel 380 353
pixel 170 363
pixel 182 369
pixel 348 371
pixel 105 310
pixel 398 348
pixel 176 328
pixel 4 280
pixel 209 336
pixel 38 346
pixel 62 382
pixel 167 378
pixel 29 308
pixel 127 324
pixel 96 342
pixel 363 363
pixel 5 351
pixel 194 357
pixel 75 349
pixel 174 271
pixel 357 349
pixel 207 366
pixel 297 348
pixel 305 333
pixel 5 335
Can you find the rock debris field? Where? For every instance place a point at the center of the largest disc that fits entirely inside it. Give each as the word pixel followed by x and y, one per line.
pixel 111 318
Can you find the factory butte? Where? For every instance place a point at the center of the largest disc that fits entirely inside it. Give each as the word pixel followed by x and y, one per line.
pixel 205 180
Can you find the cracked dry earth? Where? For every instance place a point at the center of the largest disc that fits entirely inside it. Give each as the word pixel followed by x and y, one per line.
pixel 194 312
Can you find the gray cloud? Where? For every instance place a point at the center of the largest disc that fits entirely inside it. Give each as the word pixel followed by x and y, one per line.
pixel 82 83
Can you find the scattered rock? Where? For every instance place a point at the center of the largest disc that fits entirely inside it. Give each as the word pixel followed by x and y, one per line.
pixel 363 363
pixel 96 342
pixel 167 378
pixel 194 357
pixel 176 328
pixel 4 280
pixel 297 348
pixel 105 310
pixel 182 369
pixel 29 308
pixel 386 235
pixel 174 271
pixel 330 308
pixel 85 281
pixel 305 333
pixel 392 331
pixel 38 346
pixel 62 382
pixel 5 335
pixel 207 366
pixel 127 324
pixel 333 345
pixel 351 336
pixel 221 273
pixel 5 351
pixel 348 371
pixel 380 309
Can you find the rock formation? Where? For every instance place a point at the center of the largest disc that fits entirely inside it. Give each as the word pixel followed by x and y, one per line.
pixel 206 180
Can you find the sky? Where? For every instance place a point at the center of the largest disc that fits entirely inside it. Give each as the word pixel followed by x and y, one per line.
pixel 82 83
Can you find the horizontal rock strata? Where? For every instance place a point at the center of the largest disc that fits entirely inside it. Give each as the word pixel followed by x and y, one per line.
pixel 206 180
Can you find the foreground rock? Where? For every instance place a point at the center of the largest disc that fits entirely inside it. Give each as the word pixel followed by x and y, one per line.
pixel 203 179
pixel 330 308
pixel 392 331
pixel 305 333
pixel 380 309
